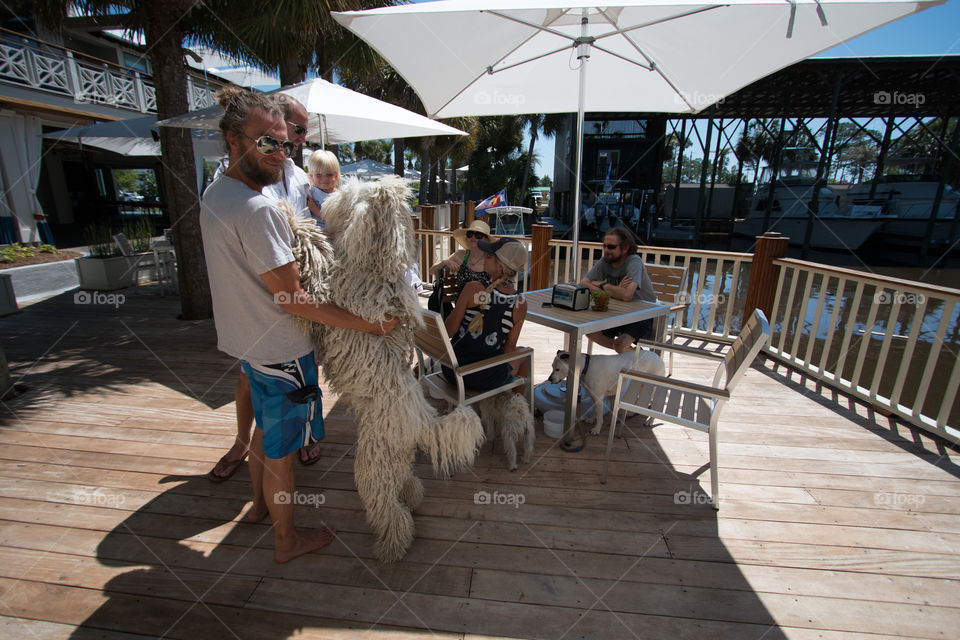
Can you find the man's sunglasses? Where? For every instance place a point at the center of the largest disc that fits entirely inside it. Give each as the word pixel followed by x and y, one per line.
pixel 268 145
pixel 611 247
pixel 476 234
pixel 298 129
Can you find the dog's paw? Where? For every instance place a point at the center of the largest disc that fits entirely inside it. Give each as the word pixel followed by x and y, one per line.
pixel 596 430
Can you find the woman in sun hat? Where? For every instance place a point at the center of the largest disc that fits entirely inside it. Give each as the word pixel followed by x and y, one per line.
pixel 467 262
pixel 486 321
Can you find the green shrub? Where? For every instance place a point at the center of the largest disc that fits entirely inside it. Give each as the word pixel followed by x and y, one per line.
pixel 139 232
pixel 47 248
pixel 100 239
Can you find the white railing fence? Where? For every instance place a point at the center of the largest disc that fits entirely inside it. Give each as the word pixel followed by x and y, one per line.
pixel 53 69
pixel 892 343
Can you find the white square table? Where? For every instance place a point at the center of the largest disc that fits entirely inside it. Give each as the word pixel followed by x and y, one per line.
pixel 577 324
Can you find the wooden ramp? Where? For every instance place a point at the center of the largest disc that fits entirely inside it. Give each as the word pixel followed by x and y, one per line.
pixel 835 524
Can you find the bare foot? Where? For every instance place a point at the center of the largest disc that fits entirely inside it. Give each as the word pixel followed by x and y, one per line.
pixel 306 540
pixel 257 512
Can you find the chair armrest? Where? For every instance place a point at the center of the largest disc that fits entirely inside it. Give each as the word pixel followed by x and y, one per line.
pixel 679 349
pixel 673 383
pixel 523 352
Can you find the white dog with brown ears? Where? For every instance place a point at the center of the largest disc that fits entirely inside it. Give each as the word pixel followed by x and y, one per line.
pixel 600 373
pixel 362 269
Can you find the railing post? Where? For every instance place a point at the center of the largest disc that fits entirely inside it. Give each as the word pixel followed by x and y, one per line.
pixel 427 214
pixel 424 265
pixel 468 214
pixel 764 275
pixel 540 256
pixel 454 223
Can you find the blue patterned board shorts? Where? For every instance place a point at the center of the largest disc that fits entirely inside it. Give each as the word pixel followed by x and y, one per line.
pixel 286 404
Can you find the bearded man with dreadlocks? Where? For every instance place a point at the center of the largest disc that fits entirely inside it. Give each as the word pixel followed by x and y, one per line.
pixel 486 321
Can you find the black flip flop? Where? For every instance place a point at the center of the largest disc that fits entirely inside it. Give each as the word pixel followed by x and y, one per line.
pixel 231 465
pixel 309 461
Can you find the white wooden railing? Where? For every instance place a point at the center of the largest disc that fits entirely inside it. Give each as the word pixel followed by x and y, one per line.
pixel 892 343
pixel 56 70
pixel 717 280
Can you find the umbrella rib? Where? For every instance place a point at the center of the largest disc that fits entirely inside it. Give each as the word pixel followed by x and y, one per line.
pixel 489 68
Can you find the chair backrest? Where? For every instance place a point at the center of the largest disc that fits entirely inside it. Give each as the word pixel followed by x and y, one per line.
pixel 432 340
pixel 669 283
pixel 448 280
pixel 754 335
pixel 125 247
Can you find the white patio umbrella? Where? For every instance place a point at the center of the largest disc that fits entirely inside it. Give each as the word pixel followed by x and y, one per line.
pixel 496 57
pixel 337 115
pixel 131 137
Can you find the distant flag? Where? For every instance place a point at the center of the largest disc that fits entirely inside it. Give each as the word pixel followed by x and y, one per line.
pixel 496 200
pixel 607 186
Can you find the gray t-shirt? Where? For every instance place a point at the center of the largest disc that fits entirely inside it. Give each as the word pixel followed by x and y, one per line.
pixel 633 267
pixel 244 235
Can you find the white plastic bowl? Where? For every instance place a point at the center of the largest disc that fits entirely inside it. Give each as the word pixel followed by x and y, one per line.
pixel 553 423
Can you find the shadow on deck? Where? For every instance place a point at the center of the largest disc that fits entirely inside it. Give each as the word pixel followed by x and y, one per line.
pixel 835 523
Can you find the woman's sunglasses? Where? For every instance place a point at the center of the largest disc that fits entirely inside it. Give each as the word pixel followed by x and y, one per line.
pixel 268 145
pixel 476 234
pixel 298 129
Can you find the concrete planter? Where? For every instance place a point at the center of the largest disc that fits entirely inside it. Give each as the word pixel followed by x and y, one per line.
pixel 8 299
pixel 105 274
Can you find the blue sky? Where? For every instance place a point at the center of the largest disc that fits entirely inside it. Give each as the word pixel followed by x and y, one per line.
pixel 935 31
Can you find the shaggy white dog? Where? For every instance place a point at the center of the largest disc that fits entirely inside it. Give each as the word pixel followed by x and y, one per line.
pixel 508 416
pixel 362 269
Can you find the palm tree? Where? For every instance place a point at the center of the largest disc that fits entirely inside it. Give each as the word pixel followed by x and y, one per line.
pixel 164 25
pixel 287 36
pixel 550 125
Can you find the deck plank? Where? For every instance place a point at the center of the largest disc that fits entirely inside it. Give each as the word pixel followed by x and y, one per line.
pixel 836 522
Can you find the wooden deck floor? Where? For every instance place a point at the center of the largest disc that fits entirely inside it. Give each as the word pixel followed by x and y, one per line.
pixel 836 523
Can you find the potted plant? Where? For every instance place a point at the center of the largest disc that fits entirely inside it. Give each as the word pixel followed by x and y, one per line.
pixel 600 300
pixel 105 268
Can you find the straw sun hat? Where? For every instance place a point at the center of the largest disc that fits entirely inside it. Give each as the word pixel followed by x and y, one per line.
pixel 460 235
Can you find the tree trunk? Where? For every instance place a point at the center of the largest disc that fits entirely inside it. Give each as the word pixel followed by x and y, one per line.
pixel 425 165
pixel 398 156
pixel 441 176
pixel 163 37
pixel 357 152
pixel 526 167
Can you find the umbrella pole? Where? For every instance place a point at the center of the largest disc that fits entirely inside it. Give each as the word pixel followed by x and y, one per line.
pixel 583 55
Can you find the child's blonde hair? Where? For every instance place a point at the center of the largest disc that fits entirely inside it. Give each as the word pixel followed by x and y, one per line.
pixel 322 161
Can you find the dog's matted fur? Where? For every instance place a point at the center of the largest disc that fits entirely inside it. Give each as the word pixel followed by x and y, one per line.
pixel 506 416
pixel 362 270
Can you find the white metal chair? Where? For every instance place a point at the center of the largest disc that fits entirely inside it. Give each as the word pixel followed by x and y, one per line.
pixel 138 260
pixel 432 342
pixel 688 404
